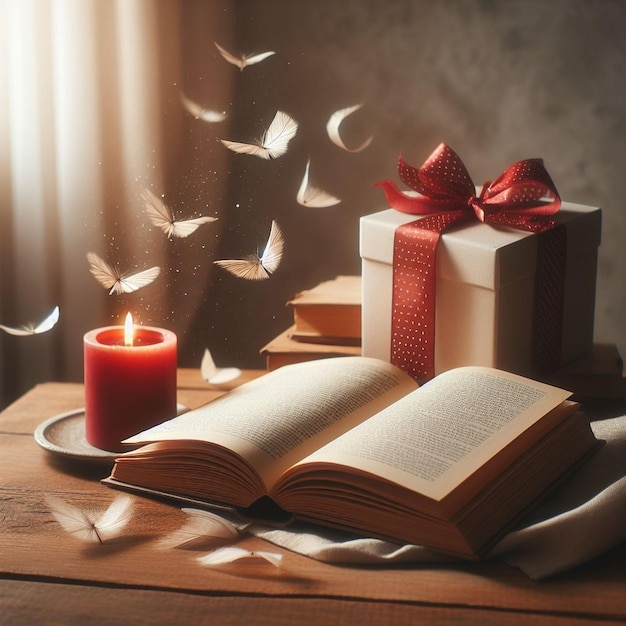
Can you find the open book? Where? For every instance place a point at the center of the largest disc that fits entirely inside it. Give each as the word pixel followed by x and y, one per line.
pixel 353 443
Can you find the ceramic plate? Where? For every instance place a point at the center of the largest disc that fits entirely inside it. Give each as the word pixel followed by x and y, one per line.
pixel 64 435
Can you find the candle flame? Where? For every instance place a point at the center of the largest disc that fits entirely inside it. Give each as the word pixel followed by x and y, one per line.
pixel 128 330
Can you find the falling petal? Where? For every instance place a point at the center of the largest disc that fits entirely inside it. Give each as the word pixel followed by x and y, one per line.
pixel 31 329
pixel 201 529
pixel 243 61
pixel 223 556
pixel 200 112
pixel 273 143
pixel 89 526
pixel 116 282
pixel 216 375
pixel 258 267
pixel 161 216
pixel 312 196
pixel 333 124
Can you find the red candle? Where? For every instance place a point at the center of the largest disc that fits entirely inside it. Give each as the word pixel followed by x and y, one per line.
pixel 130 382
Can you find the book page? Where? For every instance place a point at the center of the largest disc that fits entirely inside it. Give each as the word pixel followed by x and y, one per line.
pixel 281 417
pixel 434 438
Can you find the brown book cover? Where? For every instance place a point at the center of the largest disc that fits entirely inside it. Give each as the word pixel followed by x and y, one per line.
pixel 284 350
pixel 331 309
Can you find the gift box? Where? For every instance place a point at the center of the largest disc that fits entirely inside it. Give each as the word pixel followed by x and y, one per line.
pixel 485 305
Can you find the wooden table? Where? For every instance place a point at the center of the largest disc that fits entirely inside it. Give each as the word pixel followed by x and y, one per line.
pixel 48 577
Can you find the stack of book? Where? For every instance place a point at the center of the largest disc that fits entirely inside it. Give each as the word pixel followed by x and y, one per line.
pixel 326 323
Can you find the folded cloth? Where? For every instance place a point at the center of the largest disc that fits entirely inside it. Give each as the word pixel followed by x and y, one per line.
pixel 581 519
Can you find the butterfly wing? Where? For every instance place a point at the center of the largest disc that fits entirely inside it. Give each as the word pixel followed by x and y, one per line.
pixel 273 253
pixel 161 215
pixel 256 58
pixel 231 58
pixel 17 332
pixel 202 528
pixel 249 269
pixel 243 61
pixel 255 267
pixel 278 135
pixel 44 326
pixel 133 282
pixel 200 112
pixel 115 518
pixel 104 273
pixel 75 521
pixel 48 323
pixel 184 228
pixel 158 212
pixel 333 124
pixel 229 554
pixel 216 375
pixel 274 142
pixel 312 196
pixel 207 366
pixel 246 148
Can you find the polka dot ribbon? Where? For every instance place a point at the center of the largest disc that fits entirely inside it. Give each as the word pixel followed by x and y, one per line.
pixel 522 197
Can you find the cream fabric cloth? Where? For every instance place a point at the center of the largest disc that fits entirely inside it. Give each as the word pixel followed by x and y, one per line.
pixel 582 518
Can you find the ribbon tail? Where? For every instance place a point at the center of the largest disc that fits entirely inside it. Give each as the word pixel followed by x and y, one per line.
pixel 414 293
pixel 549 298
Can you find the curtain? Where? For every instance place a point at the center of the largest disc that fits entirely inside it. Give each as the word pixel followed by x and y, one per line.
pixel 89 115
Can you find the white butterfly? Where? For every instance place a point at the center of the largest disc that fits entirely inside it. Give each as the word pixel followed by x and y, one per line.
pixel 216 375
pixel 30 329
pixel 223 556
pixel 312 196
pixel 255 267
pixel 243 61
pixel 332 128
pixel 90 526
pixel 111 278
pixel 274 141
pixel 201 529
pixel 161 216
pixel 200 112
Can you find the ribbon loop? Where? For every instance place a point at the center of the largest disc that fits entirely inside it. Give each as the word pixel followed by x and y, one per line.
pixel 524 190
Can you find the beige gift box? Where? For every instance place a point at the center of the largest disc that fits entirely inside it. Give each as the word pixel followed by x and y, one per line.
pixel 484 289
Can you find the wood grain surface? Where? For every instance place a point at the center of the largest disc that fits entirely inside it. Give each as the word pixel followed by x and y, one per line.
pixel 46 576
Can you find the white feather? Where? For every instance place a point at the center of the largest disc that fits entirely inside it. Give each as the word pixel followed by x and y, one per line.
pixel 161 215
pixel 201 529
pixel 223 556
pixel 243 60
pixel 200 112
pixel 333 124
pixel 92 527
pixel 273 143
pixel 216 375
pixel 313 196
pixel 116 282
pixel 30 329
pixel 258 267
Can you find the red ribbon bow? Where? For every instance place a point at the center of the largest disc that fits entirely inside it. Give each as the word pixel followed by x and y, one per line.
pixel 521 197
pixel 521 194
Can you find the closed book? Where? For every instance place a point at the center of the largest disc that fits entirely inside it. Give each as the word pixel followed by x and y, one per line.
pixel 330 310
pixel 285 350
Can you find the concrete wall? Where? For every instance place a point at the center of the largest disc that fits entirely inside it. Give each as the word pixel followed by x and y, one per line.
pixel 497 81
